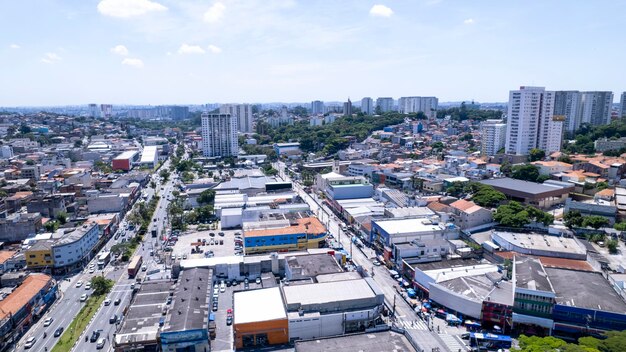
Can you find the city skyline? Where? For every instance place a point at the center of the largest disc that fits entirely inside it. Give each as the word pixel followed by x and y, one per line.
pixel 163 52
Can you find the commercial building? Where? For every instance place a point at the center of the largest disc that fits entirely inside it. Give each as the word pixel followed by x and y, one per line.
pixel 493 136
pixel 75 248
pixel 317 107
pixel 531 122
pixel 596 107
pixel 540 245
pixel 283 232
pixel 384 341
pixel 337 186
pixel 39 255
pixel 24 306
pixel 608 212
pixel 125 160
pixel 287 148
pixel 411 105
pixel 384 105
pixel 260 318
pixel 543 195
pixel 243 114
pixel 149 156
pixel 219 135
pixel 367 106
pixel 386 232
pixel 187 326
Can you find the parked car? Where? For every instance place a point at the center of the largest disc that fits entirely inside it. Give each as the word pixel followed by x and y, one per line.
pixel 258 280
pixel 88 286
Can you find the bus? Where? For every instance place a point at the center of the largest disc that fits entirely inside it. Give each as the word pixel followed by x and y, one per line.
pixel 103 259
pixel 134 266
pixel 489 341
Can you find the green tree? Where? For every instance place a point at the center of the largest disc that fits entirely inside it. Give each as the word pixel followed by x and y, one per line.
pixel 536 154
pixel 506 168
pixel 515 214
pixel 565 159
pixel 612 245
pixel 601 186
pixel 206 197
pixel 572 219
pixel 101 285
pixel 488 196
pixel 620 226
pixel 526 172
pixel 595 221
pixel 62 217
pixel 78 143
pixel 51 226
pixel 165 175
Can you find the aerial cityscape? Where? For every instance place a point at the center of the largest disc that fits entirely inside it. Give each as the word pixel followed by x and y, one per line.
pixel 309 176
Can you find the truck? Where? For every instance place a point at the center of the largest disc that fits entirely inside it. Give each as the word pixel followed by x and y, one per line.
pixel 134 266
pixel 103 259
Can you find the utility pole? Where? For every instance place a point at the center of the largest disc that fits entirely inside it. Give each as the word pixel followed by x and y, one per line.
pixel 393 312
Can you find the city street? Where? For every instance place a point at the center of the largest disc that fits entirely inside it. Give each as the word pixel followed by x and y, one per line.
pixel 405 316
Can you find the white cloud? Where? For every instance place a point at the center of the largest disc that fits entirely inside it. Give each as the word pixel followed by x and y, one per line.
pixel 51 58
pixel 128 8
pixel 190 49
pixel 215 49
pixel 133 62
pixel 14 46
pixel 119 50
pixel 214 13
pixel 381 11
pixel 469 21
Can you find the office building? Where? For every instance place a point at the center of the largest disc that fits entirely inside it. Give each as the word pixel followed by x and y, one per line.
pixel 531 122
pixel 493 135
pixel 283 232
pixel 384 105
pixel 411 105
pixel 367 106
pixel 596 107
pixel 622 106
pixel 347 108
pixel 106 110
pixel 317 107
pixel 219 135
pixel 125 160
pixel 568 104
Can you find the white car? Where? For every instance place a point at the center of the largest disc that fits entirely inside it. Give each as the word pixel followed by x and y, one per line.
pixel 92 270
pixel 30 342
pixel 100 343
pixel 79 283
pixel 107 302
pixel 83 297
pixel 48 321
pixel 88 286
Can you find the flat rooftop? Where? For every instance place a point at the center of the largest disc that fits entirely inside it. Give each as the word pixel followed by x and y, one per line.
pixel 384 341
pixel 539 242
pixel 258 306
pixel 479 287
pixel 530 274
pixel 310 225
pixel 141 322
pixel 314 264
pixel 335 293
pixel 526 189
pixel 585 290
pixel 406 226
pixel 190 304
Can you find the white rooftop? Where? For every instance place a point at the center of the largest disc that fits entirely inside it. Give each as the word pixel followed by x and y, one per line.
pixel 336 291
pixel 445 274
pixel 258 305
pixel 149 154
pixel 407 226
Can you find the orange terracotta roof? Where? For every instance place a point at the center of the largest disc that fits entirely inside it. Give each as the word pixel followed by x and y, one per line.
pixel 439 207
pixel 24 293
pixel 6 255
pixel 462 204
pixel 551 262
pixel 314 227
pixel 606 193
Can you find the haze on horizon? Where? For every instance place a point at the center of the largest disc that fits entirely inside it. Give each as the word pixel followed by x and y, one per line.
pixel 171 52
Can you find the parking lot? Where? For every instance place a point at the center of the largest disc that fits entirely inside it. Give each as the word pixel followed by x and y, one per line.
pixel 221 246
pixel 224 333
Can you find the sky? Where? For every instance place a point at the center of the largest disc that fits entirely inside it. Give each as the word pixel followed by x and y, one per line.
pixel 62 52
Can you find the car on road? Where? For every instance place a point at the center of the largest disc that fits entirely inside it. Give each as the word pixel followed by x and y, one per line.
pixel 88 286
pixel 30 342
pixel 376 263
pixel 58 332
pixel 79 284
pixel 117 302
pixel 107 302
pixel 94 336
pixel 180 257
pixel 215 306
pixel 184 256
pixel 48 321
pixel 113 319
pixel 465 336
pixel 229 320
pixel 83 297
pixel 212 234
pixel 92 270
pixel 258 280
pixel 221 234
pixel 144 268
pixel 100 344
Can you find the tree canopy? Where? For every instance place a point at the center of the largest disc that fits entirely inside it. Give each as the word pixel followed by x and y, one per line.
pixel 515 214
pixel 613 341
pixel 536 154
pixel 527 172
pixel 206 197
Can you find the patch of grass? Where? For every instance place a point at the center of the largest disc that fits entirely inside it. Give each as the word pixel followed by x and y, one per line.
pixel 79 324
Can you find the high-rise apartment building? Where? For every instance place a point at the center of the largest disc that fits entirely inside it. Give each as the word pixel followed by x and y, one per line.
pixel 347 108
pixel 622 106
pixel 93 110
pixel 317 107
pixel 411 105
pixel 367 106
pixel 493 136
pixel 567 103
pixel 596 107
pixel 384 104
pixel 106 110
pixel 531 122
pixel 243 115
pixel 219 135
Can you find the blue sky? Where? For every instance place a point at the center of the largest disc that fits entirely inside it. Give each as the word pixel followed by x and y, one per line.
pixel 191 52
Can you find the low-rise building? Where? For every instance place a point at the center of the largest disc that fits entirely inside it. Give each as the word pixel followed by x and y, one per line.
pixel 470 215
pixel 19 226
pixel 386 232
pixel 75 248
pixel 283 232
pixel 39 255
pixel 257 324
pixel 539 195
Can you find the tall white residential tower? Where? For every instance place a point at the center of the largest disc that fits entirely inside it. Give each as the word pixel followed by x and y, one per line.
pixel 219 135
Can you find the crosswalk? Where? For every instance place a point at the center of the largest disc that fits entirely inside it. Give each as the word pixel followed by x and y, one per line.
pixel 453 343
pixel 412 324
